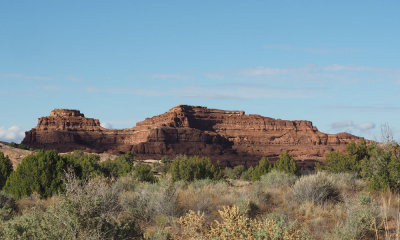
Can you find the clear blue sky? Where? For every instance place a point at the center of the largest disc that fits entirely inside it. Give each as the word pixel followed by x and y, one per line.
pixel 336 63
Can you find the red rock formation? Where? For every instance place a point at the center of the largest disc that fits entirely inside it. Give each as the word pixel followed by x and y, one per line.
pixel 229 136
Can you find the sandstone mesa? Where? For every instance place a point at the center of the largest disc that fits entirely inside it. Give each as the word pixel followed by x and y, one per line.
pixel 231 137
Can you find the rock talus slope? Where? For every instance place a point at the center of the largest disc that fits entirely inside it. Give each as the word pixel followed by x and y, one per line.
pixel 229 136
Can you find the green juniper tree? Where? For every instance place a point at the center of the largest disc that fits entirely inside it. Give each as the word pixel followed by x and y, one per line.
pixel 262 168
pixel 6 169
pixel 40 172
pixel 287 164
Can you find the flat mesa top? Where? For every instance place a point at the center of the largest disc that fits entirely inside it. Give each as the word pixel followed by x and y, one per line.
pixel 59 112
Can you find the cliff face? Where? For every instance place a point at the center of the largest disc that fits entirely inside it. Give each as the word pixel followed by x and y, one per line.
pixel 230 136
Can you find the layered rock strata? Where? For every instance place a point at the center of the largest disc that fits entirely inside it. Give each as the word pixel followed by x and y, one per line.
pixel 231 137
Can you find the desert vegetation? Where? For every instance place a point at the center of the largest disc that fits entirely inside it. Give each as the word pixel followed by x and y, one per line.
pixel 353 195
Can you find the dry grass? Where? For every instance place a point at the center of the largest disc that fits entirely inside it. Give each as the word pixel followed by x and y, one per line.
pixel 238 209
pixel 390 212
pixel 34 200
pixel 321 219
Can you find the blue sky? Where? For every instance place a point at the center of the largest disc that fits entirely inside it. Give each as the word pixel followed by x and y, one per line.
pixel 336 63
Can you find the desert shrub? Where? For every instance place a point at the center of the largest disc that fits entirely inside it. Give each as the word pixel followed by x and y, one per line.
pixel 157 233
pixel 316 188
pixel 228 173
pixel 6 169
pixel 262 168
pixel 126 183
pixel 39 224
pixel 13 144
pixel 191 168
pixel 364 198
pixel 40 172
pixel 378 165
pixel 347 182
pixel 286 163
pixel 235 172
pixel 278 179
pixel 193 225
pixel 209 196
pixel 150 200
pixel 144 173
pixel 238 170
pixel 8 207
pixel 359 224
pixel 88 210
pixel 203 183
pixel 159 167
pixel 362 221
pixel 235 225
pixel 97 208
pixel 165 164
pixel 20 146
pixel 98 211
pixel 278 227
pixel 246 175
pixel 250 198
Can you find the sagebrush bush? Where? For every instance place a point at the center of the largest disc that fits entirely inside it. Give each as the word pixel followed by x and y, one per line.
pixel 35 223
pixel 362 220
pixel 316 188
pixel 203 195
pixel 97 208
pixel 88 210
pixel 347 182
pixel 8 207
pixel 278 179
pixel 150 200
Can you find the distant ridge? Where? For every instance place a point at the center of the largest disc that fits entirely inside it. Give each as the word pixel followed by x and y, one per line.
pixel 231 137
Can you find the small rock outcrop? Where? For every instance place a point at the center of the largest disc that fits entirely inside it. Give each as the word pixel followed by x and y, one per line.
pixel 231 137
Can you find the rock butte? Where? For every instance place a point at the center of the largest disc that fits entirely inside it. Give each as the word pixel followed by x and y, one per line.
pixel 232 137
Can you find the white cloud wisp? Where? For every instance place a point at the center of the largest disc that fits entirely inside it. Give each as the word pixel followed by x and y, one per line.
pixel 11 134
